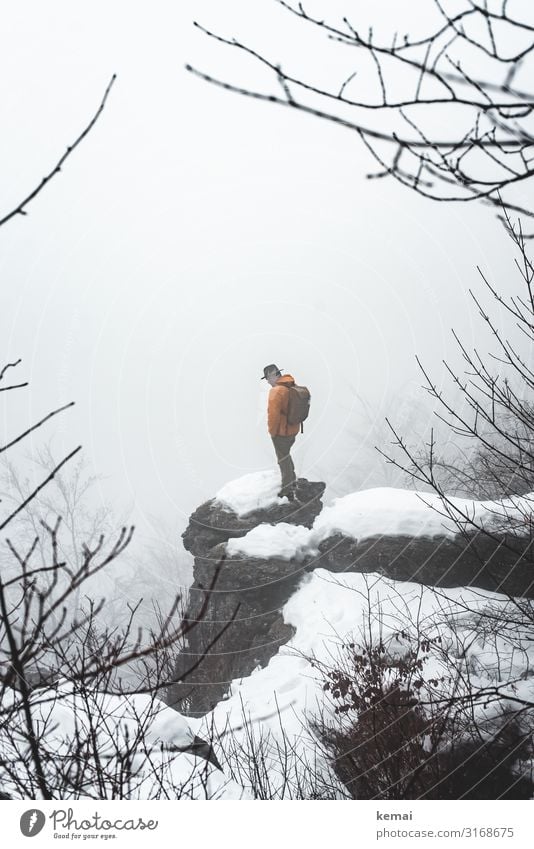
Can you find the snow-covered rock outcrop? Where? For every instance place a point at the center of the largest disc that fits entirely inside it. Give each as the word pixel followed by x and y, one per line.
pixel 245 503
pixel 414 536
pixel 241 625
pixel 263 547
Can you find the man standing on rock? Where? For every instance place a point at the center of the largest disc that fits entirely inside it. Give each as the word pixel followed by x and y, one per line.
pixel 282 433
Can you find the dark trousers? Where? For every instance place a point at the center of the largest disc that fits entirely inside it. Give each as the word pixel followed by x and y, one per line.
pixel 282 446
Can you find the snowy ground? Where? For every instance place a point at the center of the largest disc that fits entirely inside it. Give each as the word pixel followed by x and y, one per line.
pixel 139 749
pixel 326 610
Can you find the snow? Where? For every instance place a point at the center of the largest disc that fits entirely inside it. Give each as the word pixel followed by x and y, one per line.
pixel 255 491
pixel 380 511
pixel 282 540
pixel 387 511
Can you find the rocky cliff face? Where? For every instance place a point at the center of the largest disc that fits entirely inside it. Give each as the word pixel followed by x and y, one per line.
pixel 212 523
pixel 240 626
pixel 500 563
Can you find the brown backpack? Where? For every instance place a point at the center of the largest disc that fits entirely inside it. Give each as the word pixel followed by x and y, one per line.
pixel 298 404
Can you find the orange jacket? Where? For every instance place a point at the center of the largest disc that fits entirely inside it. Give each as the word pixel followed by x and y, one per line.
pixel 277 409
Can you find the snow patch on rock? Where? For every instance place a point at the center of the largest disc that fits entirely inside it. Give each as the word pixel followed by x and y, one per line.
pixel 255 491
pixel 282 540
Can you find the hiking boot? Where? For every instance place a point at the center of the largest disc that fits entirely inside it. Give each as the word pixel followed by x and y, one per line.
pixel 288 493
pixel 300 492
pixel 292 492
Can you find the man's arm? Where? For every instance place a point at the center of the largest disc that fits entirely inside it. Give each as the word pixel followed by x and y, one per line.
pixel 274 409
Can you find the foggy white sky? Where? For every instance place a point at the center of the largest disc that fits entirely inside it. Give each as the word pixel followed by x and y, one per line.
pixel 197 236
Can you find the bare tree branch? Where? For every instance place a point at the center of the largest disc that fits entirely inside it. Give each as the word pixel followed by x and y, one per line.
pixel 21 208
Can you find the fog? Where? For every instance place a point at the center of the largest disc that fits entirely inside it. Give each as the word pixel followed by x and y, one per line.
pixel 196 236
